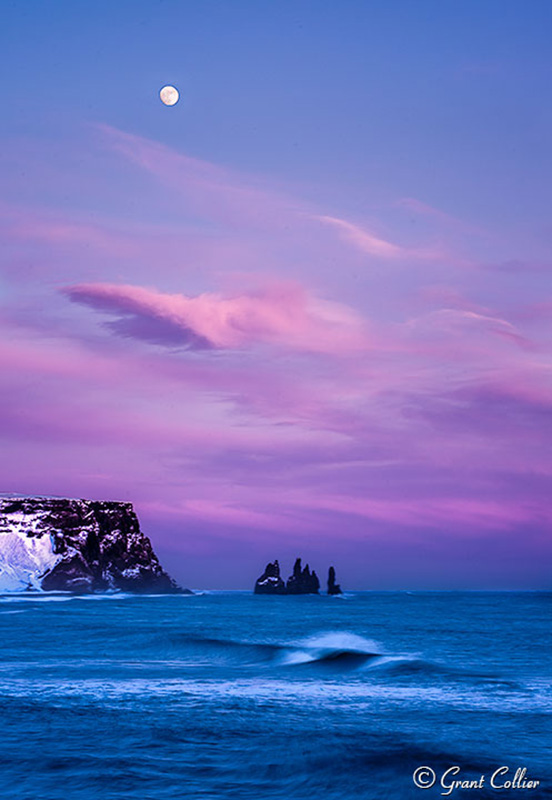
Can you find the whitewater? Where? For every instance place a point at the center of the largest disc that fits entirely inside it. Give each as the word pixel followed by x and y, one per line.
pixel 231 695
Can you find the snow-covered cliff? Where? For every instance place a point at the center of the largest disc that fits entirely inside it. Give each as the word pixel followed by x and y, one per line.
pixel 51 543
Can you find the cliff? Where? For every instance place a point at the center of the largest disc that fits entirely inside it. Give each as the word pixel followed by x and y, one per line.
pixel 59 544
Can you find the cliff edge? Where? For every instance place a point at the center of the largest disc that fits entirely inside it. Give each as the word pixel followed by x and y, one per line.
pixel 60 544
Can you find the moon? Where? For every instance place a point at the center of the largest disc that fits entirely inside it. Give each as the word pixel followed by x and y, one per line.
pixel 169 95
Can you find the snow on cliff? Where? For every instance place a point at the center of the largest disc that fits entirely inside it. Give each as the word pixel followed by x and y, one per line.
pixel 26 554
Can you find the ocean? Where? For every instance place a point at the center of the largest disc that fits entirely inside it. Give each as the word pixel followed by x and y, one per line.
pixel 231 695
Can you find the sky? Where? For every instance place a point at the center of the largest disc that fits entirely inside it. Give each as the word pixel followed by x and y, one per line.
pixel 304 312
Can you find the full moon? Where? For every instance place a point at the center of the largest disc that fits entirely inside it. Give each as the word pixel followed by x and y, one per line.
pixel 169 95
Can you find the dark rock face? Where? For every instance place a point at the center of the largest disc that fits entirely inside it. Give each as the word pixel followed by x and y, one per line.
pixel 95 545
pixel 270 581
pixel 303 581
pixel 333 587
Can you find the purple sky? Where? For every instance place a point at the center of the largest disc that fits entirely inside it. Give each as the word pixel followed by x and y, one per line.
pixel 279 336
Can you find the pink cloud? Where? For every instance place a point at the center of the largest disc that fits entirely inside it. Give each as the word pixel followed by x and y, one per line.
pixel 442 217
pixel 364 240
pixel 56 230
pixel 472 330
pixel 373 245
pixel 226 197
pixel 219 194
pixel 283 314
pixel 469 514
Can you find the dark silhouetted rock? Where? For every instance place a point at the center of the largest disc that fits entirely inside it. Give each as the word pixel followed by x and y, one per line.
pixel 270 581
pixel 59 544
pixel 333 587
pixel 303 581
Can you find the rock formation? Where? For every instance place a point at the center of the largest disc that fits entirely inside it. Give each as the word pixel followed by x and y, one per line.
pixel 270 581
pixel 303 581
pixel 59 544
pixel 333 587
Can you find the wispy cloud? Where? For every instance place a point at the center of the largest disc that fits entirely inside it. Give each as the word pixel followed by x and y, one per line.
pixel 375 246
pixel 217 194
pixel 443 218
pixel 364 240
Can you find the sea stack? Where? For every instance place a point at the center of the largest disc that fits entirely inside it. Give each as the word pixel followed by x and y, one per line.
pixel 81 546
pixel 270 581
pixel 303 581
pixel 333 587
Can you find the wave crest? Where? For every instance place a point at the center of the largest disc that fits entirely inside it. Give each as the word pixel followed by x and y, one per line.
pixel 334 646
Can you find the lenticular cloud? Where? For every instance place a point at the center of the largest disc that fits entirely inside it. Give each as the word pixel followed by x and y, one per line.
pixel 282 314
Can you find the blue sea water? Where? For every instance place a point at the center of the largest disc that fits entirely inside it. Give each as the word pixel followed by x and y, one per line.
pixel 231 695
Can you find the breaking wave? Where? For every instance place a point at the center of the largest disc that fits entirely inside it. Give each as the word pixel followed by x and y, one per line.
pixel 332 651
